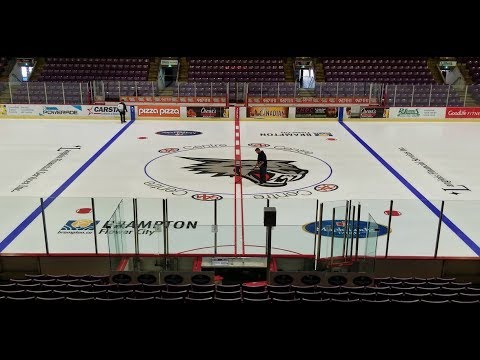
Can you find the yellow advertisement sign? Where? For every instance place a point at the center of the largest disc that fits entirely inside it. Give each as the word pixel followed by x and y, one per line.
pixel 267 112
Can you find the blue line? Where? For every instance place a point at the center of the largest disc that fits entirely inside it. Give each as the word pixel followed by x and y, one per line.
pixel 470 243
pixel 30 218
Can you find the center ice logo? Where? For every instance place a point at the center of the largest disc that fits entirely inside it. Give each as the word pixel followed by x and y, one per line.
pixel 209 169
pixel 279 172
pixel 178 133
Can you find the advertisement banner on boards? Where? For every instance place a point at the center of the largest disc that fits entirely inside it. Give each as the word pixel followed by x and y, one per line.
pixel 41 110
pixel 267 112
pixel 208 112
pixel 360 112
pixel 417 113
pixel 316 112
pixel 64 111
pixel 156 111
pixel 463 113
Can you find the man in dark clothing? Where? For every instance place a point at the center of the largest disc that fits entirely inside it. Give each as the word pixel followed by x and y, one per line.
pixel 261 164
pixel 122 109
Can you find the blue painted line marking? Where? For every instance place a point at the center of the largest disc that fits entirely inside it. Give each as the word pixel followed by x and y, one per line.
pixel 464 237
pixel 30 218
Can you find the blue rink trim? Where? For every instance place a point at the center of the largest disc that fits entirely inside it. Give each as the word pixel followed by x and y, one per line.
pixel 470 243
pixel 30 218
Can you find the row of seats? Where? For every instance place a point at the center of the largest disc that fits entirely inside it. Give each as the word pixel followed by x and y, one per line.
pixel 437 280
pixel 381 79
pixel 232 78
pixel 236 70
pixel 235 61
pixel 188 300
pixel 86 69
pixel 365 73
pixel 56 67
pixel 46 93
pixel 377 67
pixel 234 67
pixel 397 71
pixel 62 60
pixel 372 60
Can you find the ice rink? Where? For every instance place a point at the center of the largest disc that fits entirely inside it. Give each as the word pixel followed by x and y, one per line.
pixel 79 165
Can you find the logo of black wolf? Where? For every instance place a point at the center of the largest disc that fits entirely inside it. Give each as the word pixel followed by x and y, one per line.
pixel 279 172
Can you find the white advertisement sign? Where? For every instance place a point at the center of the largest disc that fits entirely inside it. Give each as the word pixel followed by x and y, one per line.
pixel 416 113
pixel 47 111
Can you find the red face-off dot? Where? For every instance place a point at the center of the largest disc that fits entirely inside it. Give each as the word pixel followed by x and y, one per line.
pixel 207 197
pixel 84 211
pixel 332 139
pixel 142 137
pixel 168 150
pixel 394 212
pixel 326 187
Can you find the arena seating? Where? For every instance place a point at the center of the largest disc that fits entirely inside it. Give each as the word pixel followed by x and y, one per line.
pixel 86 69
pixel 113 89
pixel 236 70
pixel 388 70
pixel 209 77
pixel 472 63
pixel 422 95
pixel 3 64
pixel 271 89
pixel 90 288
pixel 50 93
pixel 200 89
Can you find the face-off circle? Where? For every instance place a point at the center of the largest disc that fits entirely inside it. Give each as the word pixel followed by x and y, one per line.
pixel 208 168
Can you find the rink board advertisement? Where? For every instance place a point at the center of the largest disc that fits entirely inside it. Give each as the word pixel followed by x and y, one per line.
pixel 267 112
pixel 207 112
pixel 157 111
pixel 361 112
pixel 463 113
pixel 60 111
pixel 316 112
pixel 417 113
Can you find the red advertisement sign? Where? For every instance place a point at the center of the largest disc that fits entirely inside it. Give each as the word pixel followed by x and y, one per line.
pixel 310 100
pixel 153 111
pixel 174 99
pixel 463 113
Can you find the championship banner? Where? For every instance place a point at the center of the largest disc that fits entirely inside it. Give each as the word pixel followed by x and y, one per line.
pixel 417 113
pixel 463 113
pixel 208 112
pixel 155 111
pixel 316 112
pixel 270 112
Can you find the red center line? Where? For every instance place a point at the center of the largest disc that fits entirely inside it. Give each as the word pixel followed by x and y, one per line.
pixel 238 180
